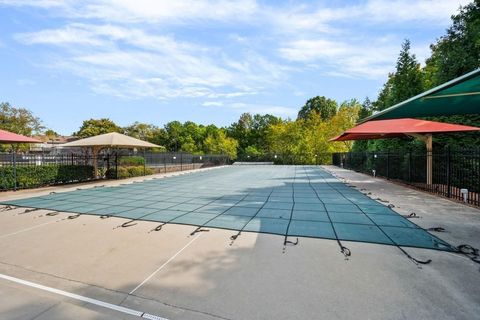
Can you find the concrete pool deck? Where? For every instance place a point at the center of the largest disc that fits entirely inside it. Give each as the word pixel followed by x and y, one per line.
pixel 177 276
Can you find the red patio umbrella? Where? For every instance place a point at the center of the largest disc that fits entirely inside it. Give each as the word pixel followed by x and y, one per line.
pixel 394 128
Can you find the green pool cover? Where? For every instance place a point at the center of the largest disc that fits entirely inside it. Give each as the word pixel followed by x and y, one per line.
pixel 301 201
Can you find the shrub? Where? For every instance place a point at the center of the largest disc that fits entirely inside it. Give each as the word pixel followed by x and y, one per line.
pixel 128 172
pixel 131 161
pixel 36 176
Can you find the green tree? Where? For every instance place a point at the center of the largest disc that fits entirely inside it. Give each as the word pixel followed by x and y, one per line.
pixel 50 134
pixel 219 143
pixel 366 110
pixel 406 82
pixel 408 78
pixel 322 105
pixel 194 135
pixel 19 120
pixel 385 98
pixel 457 52
pixel 174 135
pixel 94 127
pixel 142 131
pixel 251 133
pixel 146 132
pixel 307 140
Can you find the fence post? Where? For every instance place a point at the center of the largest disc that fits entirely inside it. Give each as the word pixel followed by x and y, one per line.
pixel 388 164
pixel 108 165
pixel 116 166
pixel 410 166
pixel 449 181
pixel 144 162
pixel 165 163
pixel 14 155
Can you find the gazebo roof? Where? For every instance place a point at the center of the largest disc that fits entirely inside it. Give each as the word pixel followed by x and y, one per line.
pixel 112 139
pixel 394 128
pixel 10 137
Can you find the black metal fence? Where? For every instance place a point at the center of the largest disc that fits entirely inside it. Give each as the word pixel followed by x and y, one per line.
pixel 288 158
pixel 454 173
pixel 22 171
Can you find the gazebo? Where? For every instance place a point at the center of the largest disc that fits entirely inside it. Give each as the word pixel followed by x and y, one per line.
pixel 396 128
pixel 109 140
pixel 7 137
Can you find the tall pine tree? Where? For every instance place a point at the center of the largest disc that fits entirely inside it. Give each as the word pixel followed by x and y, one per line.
pixel 404 83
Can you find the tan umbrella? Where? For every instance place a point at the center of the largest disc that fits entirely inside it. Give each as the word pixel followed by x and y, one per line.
pixel 107 140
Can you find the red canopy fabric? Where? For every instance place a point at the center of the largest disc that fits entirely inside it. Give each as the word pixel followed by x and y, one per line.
pixel 394 128
pixel 10 137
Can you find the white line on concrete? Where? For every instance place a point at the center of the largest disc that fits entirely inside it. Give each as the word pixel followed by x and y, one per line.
pixel 163 265
pixel 83 298
pixel 27 229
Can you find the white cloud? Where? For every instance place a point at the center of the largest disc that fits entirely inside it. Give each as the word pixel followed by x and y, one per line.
pixel 123 49
pixel 340 41
pixel 318 18
pixel 212 104
pixel 26 82
pixel 147 11
pixel 341 58
pixel 155 11
pixel 139 64
pixel 36 3
pixel 400 11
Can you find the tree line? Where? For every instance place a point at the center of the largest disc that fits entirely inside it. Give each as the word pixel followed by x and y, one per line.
pixel 306 138
pixel 252 136
pixel 452 55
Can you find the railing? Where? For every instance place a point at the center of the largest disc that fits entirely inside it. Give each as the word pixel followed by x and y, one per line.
pixel 454 173
pixel 22 171
pixel 288 158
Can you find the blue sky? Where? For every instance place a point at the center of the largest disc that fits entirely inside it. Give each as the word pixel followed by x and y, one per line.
pixel 202 60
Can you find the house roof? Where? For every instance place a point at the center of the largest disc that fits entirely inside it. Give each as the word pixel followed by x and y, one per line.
pixel 10 137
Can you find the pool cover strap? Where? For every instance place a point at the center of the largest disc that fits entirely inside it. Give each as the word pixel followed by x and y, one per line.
pixel 344 250
pixel 285 240
pixel 235 236
pixel 199 229
pixel 416 261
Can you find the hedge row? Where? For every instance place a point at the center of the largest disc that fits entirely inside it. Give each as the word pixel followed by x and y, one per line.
pixel 131 161
pixel 129 172
pixel 37 176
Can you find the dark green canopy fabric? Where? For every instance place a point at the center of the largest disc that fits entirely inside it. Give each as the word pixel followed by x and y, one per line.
pixel 457 97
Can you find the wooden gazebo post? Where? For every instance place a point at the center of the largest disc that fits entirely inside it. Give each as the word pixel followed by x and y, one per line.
pixel 428 139
pixel 429 145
